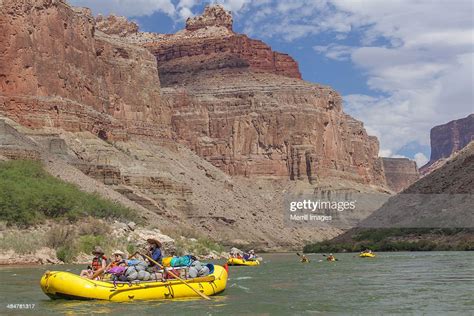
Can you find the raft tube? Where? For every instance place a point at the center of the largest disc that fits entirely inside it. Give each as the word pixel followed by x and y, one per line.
pixel 242 262
pixel 367 255
pixel 65 285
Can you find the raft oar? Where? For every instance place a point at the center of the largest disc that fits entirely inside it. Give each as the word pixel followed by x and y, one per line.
pixel 177 277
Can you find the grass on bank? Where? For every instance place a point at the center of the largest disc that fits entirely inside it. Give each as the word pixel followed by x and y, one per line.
pixel 69 241
pixel 395 239
pixel 29 195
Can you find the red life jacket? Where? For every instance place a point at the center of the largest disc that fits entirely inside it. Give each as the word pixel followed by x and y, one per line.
pixel 97 263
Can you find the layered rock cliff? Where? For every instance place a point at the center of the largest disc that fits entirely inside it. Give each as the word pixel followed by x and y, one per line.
pixel 447 139
pixel 245 109
pixel 400 173
pixel 57 71
pixel 131 116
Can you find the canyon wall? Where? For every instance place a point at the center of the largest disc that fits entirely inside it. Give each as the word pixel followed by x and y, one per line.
pixel 400 173
pixel 245 109
pixel 169 124
pixel 57 71
pixel 447 139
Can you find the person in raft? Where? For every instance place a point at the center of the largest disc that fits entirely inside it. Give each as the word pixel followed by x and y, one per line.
pixel 98 262
pixel 304 258
pixel 118 259
pixel 154 251
pixel 331 257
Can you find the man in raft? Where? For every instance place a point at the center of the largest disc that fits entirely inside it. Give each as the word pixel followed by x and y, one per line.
pixel 98 262
pixel 304 258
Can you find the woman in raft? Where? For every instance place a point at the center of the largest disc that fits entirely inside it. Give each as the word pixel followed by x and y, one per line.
pixel 99 262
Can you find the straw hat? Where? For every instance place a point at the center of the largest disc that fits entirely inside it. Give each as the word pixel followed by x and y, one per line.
pixel 154 241
pixel 118 252
pixel 97 250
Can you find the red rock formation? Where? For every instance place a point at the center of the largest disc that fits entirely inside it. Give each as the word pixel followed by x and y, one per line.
pixel 400 173
pixel 56 71
pixel 212 16
pixel 244 108
pixel 116 25
pixel 451 137
pixel 208 42
pixel 255 124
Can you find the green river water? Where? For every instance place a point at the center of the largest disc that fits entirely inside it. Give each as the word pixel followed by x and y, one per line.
pixel 404 282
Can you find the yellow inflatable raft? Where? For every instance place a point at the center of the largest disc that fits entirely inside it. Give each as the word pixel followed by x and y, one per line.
pixel 367 255
pixel 65 285
pixel 242 262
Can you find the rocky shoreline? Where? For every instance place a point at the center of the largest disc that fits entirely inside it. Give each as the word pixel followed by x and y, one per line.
pixel 38 245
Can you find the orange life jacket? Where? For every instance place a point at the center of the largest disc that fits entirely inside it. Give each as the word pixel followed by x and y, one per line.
pixel 97 263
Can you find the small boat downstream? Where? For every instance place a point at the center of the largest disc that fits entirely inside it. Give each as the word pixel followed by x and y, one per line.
pixel 242 262
pixel 66 285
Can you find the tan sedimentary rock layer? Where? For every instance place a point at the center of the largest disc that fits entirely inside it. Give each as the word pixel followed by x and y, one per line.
pixel 400 173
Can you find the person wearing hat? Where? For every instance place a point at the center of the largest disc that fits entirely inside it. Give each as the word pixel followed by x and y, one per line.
pixel 154 251
pixel 98 262
pixel 118 259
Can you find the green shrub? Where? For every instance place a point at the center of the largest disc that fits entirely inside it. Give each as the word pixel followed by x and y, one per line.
pixel 87 243
pixel 66 254
pixel 28 195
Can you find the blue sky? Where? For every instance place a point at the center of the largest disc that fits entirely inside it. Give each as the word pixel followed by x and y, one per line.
pixel 402 66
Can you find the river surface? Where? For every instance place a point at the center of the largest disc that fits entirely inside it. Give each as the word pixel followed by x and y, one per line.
pixel 404 282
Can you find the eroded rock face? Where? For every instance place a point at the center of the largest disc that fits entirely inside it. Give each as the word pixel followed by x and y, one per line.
pixel 213 16
pixel 266 125
pixel 448 138
pixel 245 108
pixel 400 173
pixel 208 43
pixel 57 71
pixel 116 25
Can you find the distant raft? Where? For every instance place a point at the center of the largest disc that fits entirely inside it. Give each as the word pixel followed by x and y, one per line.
pixel 367 255
pixel 66 285
pixel 242 262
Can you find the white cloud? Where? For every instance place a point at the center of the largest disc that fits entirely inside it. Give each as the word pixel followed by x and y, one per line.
pixel 127 7
pixel 176 9
pixel 334 51
pixel 420 159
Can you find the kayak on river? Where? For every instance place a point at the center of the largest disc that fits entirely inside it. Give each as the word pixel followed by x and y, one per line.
pixel 66 285
pixel 331 258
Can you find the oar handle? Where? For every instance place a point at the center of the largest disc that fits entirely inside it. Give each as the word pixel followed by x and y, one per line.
pixel 177 277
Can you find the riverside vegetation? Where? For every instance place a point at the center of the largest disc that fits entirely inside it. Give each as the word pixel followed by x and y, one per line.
pixel 396 239
pixel 61 217
pixel 29 196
